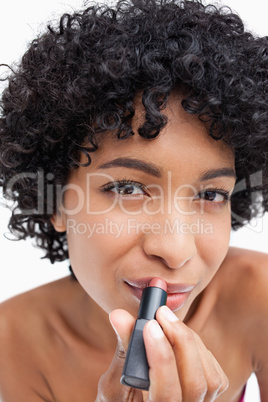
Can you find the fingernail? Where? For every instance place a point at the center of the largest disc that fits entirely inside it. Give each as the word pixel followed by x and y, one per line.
pixel 168 314
pixel 117 334
pixel 155 330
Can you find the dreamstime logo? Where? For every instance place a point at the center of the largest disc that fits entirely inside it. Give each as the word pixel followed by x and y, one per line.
pixel 165 200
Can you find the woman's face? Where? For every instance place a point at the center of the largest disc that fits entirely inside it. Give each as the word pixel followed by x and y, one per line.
pixel 150 208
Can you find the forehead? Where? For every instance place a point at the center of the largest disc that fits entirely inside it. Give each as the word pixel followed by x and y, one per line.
pixel 183 142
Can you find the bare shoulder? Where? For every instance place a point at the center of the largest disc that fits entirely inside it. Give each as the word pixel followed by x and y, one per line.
pixel 26 326
pixel 32 306
pixel 243 280
pixel 28 316
pixel 242 287
pixel 244 290
pixel 246 269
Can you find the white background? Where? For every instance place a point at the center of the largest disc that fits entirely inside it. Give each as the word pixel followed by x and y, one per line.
pixel 21 268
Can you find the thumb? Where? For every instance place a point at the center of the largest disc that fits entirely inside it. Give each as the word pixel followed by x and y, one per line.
pixel 109 387
pixel 122 323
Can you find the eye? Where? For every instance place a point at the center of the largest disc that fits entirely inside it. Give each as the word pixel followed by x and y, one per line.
pixel 217 196
pixel 125 188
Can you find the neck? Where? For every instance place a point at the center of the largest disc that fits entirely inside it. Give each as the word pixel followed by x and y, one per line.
pixel 88 320
pixel 193 308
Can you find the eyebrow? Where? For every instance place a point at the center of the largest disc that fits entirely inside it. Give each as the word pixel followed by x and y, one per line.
pixel 153 170
pixel 214 173
pixel 132 163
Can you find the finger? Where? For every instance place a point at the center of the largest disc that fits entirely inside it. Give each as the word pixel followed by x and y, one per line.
pixel 191 373
pixel 164 383
pixel 225 380
pixel 217 381
pixel 122 323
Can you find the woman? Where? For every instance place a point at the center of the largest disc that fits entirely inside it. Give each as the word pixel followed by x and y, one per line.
pixel 123 134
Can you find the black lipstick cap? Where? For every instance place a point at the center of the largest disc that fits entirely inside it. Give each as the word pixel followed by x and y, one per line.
pixel 136 369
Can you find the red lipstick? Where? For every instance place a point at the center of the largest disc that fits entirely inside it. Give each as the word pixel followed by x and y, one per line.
pixel 177 293
pixel 136 370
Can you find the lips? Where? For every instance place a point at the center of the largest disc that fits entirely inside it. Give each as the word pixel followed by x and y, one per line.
pixel 178 293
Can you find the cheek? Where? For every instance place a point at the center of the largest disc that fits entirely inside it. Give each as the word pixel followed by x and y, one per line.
pixel 97 249
pixel 90 248
pixel 91 262
pixel 213 245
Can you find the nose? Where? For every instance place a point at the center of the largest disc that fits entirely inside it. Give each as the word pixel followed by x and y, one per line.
pixel 174 243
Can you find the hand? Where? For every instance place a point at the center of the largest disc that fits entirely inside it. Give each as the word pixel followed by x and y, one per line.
pixel 181 368
pixel 110 389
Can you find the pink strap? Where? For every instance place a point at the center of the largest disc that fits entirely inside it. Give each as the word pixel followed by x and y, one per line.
pixel 242 399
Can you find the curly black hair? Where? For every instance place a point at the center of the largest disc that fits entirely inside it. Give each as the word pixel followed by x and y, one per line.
pixel 80 79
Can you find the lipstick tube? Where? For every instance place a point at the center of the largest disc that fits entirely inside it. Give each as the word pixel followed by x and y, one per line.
pixel 136 369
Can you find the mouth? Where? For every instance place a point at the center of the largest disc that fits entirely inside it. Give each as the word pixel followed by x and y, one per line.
pixel 177 293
